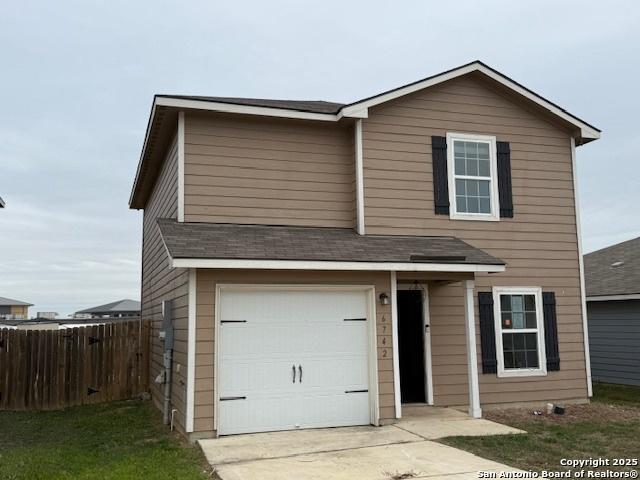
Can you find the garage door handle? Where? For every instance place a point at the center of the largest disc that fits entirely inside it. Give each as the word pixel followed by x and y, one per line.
pixel 300 372
pixel 294 373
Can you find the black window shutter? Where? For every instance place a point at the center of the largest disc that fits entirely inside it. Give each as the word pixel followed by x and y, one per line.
pixel 550 331
pixel 504 179
pixel 487 332
pixel 440 179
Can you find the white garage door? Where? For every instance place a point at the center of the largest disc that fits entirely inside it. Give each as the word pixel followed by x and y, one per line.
pixel 292 359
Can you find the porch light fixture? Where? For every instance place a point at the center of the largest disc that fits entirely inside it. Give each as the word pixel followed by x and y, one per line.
pixel 384 299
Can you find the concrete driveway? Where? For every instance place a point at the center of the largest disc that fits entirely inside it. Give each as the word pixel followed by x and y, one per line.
pixel 376 453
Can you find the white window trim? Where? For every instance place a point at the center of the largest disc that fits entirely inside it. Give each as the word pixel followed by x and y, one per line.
pixel 542 355
pixel 494 216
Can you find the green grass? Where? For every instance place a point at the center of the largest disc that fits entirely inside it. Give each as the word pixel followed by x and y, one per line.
pixel 120 440
pixel 609 427
pixel 616 394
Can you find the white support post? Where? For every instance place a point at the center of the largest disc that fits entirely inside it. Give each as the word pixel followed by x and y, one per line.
pixel 191 350
pixel 181 166
pixel 394 342
pixel 583 298
pixel 360 228
pixel 472 357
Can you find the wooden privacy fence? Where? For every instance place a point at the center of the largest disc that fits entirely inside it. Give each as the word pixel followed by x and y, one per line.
pixel 50 369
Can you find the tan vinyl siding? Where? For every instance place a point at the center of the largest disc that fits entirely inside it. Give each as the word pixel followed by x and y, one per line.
pixel 268 171
pixel 539 244
pixel 20 310
pixel 205 336
pixel 160 282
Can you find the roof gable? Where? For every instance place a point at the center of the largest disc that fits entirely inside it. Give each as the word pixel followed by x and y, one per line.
pixel 587 132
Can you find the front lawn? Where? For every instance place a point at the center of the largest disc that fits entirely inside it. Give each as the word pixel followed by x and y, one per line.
pixel 609 427
pixel 120 440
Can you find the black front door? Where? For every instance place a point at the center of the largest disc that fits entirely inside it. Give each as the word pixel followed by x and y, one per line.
pixel 411 346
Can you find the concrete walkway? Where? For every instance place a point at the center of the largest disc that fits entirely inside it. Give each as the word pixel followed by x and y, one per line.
pixel 377 453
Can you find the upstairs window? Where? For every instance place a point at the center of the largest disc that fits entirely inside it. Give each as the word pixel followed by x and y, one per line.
pixel 473 188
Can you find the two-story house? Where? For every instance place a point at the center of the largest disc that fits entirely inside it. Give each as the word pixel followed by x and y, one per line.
pixel 327 264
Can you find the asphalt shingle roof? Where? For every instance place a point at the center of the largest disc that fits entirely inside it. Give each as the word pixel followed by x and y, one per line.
pixel 125 305
pixel 10 301
pixel 603 278
pixel 311 106
pixel 261 242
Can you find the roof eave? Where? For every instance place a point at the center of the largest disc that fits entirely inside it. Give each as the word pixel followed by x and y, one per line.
pixel 134 202
pixel 222 263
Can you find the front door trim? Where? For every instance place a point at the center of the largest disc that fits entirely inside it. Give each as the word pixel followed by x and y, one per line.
pixel 374 409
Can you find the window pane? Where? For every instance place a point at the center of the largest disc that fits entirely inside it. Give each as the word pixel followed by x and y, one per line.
pixel 485 205
pixel 531 320
pixel 461 204
pixel 517 304
pixel 505 302
pixel 483 150
pixel 530 303
pixel 520 359
pixel 472 187
pixel 483 188
pixel 473 205
pixel 460 166
pixel 518 341
pixel 472 166
pixel 507 342
pixel 532 359
pixel 461 187
pixel 518 319
pixel 472 149
pixel 483 168
pixel 530 341
pixel 458 148
pixel 509 360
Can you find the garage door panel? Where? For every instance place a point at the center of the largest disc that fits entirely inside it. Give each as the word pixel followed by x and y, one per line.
pixel 267 306
pixel 270 413
pixel 283 328
pixel 336 410
pixel 240 378
pixel 336 374
pixel 256 339
pixel 336 338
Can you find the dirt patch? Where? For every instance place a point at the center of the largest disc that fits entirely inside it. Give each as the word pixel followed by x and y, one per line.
pixel 593 412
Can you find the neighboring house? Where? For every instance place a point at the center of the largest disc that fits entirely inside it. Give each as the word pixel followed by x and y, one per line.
pixel 118 309
pixel 47 315
pixel 612 278
pixel 14 309
pixel 327 264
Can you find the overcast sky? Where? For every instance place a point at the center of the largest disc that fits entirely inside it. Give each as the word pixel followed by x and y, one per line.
pixel 78 79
